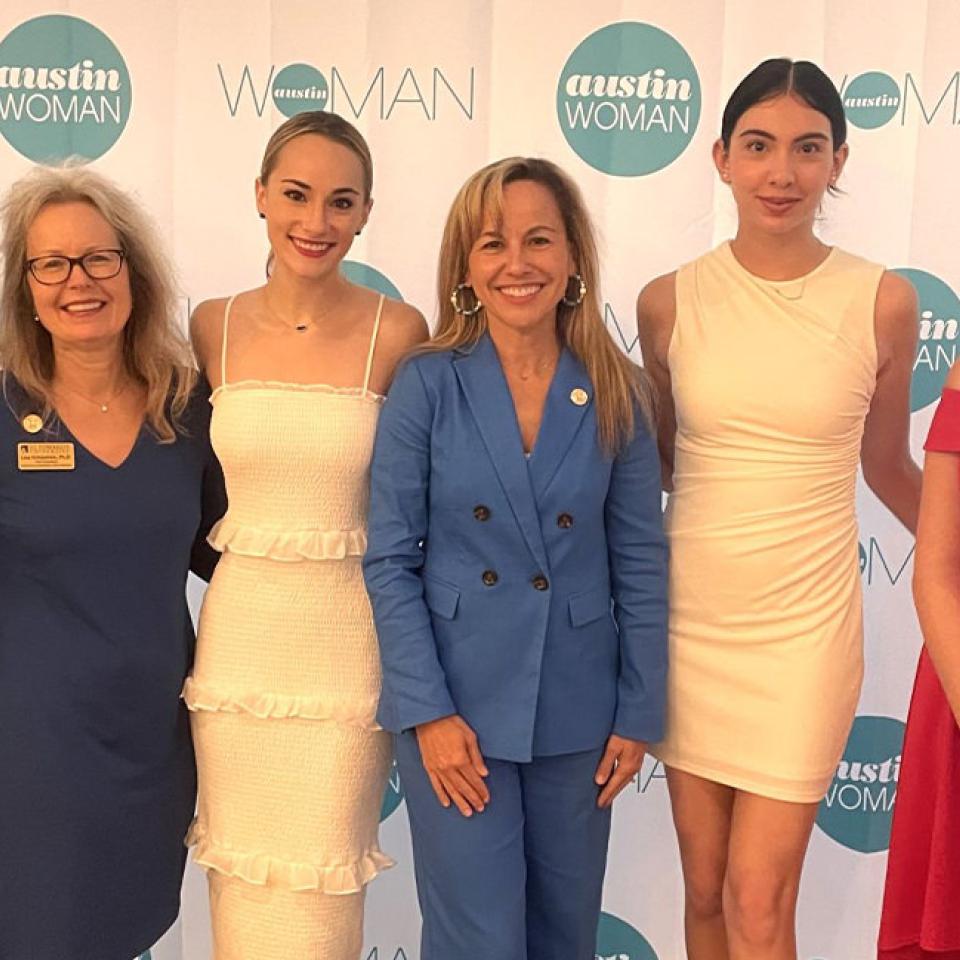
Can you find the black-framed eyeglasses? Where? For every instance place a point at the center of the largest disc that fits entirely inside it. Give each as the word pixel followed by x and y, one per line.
pixel 97 265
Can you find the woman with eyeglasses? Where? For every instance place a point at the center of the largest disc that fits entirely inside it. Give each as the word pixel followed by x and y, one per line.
pixel 107 488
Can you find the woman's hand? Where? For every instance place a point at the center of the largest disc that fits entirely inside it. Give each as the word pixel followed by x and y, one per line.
pixel 619 764
pixel 451 756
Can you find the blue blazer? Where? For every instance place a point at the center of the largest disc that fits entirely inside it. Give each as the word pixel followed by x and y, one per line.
pixel 528 596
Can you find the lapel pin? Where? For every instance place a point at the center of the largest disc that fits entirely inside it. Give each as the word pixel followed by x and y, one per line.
pixel 579 396
pixel 32 423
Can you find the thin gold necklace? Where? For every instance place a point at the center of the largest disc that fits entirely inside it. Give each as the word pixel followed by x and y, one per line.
pixel 304 325
pixel 104 405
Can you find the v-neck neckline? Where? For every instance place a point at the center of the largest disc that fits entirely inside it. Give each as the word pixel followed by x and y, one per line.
pixel 113 468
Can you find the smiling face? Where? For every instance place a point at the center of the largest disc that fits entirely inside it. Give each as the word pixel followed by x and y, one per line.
pixel 314 205
pixel 80 310
pixel 780 162
pixel 519 267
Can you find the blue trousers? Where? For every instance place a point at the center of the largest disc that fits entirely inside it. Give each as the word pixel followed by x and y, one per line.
pixel 520 881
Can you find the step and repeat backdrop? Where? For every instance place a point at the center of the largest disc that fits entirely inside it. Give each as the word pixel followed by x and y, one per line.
pixel 176 100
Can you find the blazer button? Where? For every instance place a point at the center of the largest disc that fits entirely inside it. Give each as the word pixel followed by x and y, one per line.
pixel 480 512
pixel 540 582
pixel 565 521
pixel 489 577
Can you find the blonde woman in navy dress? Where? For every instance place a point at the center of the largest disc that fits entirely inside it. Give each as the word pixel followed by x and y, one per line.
pixel 292 766
pixel 107 489
pixel 784 364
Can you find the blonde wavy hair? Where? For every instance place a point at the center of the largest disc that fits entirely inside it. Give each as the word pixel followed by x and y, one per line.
pixel 155 352
pixel 620 386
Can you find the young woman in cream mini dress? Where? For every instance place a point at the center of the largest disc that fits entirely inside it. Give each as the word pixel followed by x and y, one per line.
pixel 291 763
pixel 783 364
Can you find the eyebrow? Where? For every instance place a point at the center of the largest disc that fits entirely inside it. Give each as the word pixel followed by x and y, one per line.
pixel 535 229
pixel 306 186
pixel 755 132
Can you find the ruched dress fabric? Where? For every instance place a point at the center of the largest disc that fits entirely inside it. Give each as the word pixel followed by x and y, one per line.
pixel 921 903
pixel 772 381
pixel 291 763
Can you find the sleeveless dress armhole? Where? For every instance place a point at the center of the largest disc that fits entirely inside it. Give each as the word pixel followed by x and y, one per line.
pixel 944 435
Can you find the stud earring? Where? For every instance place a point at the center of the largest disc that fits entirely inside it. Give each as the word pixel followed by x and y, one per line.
pixel 262 216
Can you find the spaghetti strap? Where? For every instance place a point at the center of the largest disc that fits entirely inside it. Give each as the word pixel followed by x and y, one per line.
pixel 223 345
pixel 373 343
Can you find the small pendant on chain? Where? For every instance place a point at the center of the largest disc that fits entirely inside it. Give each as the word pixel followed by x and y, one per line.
pixel 104 408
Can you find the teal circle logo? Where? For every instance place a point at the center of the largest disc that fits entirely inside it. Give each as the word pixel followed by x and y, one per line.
pixel 939 335
pixel 617 940
pixel 64 89
pixel 871 100
pixel 858 808
pixel 628 99
pixel 367 276
pixel 393 795
pixel 299 87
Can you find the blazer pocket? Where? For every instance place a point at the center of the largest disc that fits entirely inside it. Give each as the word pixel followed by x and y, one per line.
pixel 589 606
pixel 442 599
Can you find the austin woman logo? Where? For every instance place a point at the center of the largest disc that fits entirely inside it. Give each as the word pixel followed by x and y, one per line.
pixel 64 89
pixel 617 940
pixel 939 334
pixel 628 99
pixel 299 87
pixel 871 100
pixel 858 808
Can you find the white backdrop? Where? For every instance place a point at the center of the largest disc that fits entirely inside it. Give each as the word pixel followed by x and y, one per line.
pixel 440 88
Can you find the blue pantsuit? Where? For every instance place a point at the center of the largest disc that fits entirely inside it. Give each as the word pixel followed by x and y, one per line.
pixel 527 596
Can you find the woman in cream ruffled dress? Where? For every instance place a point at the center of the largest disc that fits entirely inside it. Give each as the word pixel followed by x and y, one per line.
pixel 292 765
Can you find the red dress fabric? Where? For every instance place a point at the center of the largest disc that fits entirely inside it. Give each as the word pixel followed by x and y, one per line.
pixel 921 904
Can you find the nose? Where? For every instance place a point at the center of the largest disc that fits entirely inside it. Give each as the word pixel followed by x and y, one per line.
pixel 315 217
pixel 516 257
pixel 781 171
pixel 77 277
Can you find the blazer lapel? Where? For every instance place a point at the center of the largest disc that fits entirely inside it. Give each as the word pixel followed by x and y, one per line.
pixel 485 387
pixel 569 398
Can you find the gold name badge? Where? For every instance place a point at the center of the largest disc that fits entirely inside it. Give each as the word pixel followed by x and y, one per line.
pixel 45 456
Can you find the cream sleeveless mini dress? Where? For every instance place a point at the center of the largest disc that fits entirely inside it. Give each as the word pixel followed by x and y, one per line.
pixel 772 381
pixel 292 765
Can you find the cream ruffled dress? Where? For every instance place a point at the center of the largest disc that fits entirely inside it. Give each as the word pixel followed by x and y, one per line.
pixel 292 765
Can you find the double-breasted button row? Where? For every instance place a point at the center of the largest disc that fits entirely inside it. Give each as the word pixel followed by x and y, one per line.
pixel 491 577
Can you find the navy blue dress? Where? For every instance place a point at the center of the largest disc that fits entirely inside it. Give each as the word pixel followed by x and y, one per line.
pixel 97 777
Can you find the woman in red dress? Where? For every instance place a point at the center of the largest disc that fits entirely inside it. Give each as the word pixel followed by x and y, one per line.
pixel 921 906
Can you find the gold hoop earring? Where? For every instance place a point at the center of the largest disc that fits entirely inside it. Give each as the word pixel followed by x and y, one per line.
pixel 456 298
pixel 581 291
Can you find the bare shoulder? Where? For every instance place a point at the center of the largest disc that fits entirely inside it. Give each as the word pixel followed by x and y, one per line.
pixel 657 302
pixel 896 301
pixel 206 329
pixel 953 377
pixel 656 312
pixel 402 326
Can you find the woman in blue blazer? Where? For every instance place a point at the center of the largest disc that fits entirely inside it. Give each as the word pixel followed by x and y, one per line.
pixel 517 569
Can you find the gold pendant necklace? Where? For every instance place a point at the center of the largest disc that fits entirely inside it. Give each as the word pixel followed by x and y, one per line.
pixel 103 405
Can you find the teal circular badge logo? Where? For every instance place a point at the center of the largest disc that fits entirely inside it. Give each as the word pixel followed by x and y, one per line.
pixel 871 100
pixel 858 808
pixel 367 276
pixel 393 795
pixel 299 87
pixel 64 89
pixel 617 940
pixel 939 334
pixel 628 99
